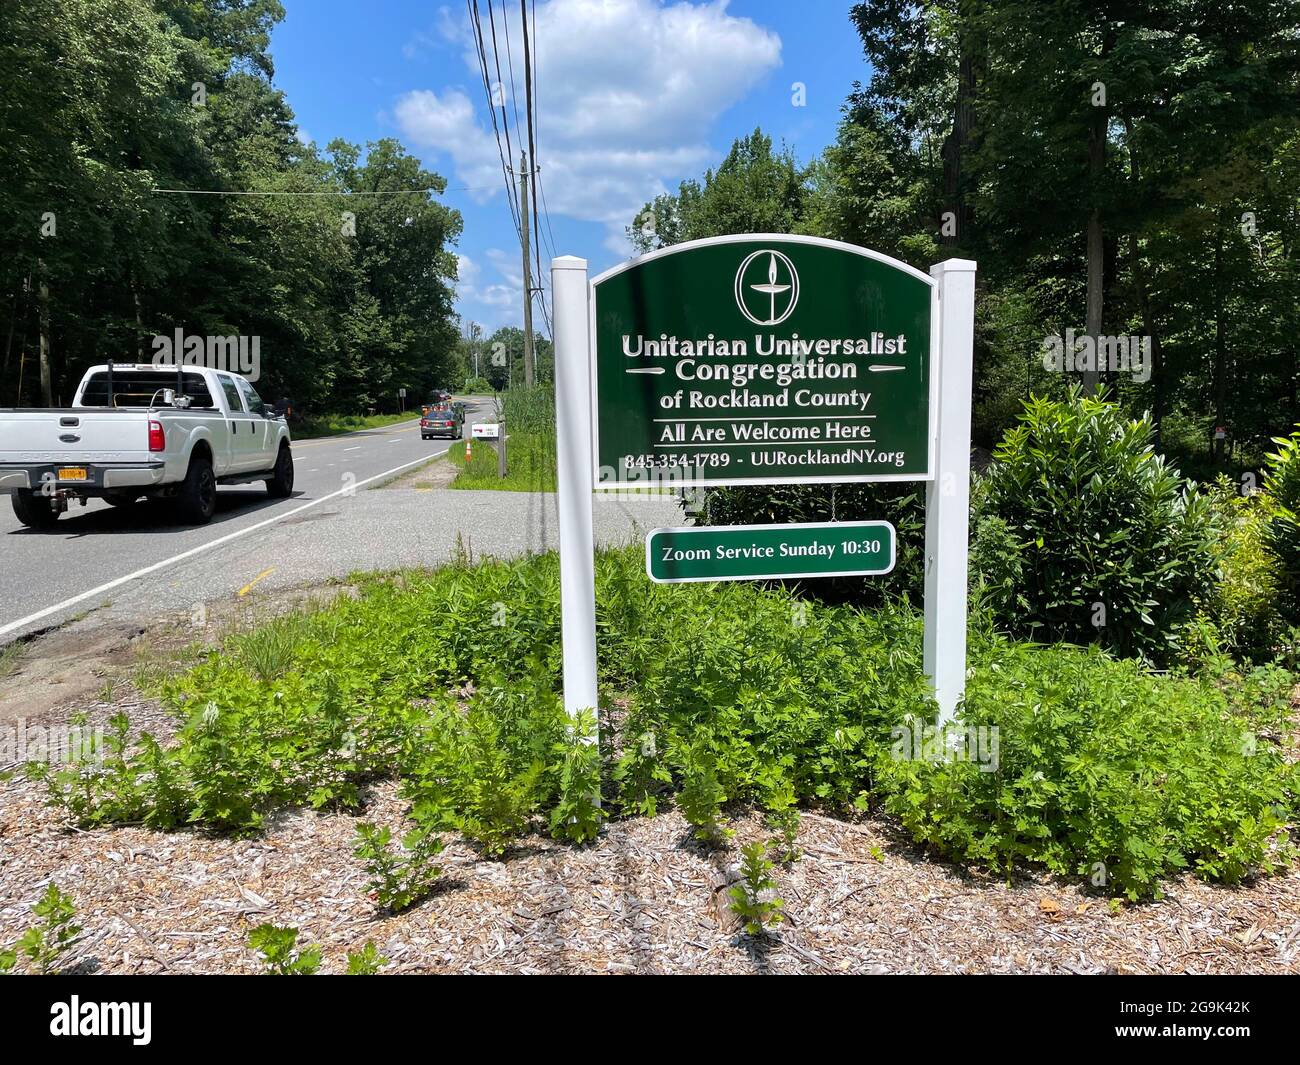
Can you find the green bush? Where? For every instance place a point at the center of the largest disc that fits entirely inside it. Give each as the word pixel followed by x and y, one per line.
pixel 278 948
pixel 1282 483
pixel 398 878
pixel 1116 547
pixel 1243 614
pixel 729 694
pixel 1103 771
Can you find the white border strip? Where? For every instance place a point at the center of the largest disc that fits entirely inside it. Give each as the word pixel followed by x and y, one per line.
pixel 701 529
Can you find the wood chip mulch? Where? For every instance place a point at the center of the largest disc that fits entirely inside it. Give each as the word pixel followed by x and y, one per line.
pixel 645 898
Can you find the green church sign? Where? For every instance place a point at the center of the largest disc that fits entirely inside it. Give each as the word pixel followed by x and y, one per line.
pixel 765 359
pixel 762 360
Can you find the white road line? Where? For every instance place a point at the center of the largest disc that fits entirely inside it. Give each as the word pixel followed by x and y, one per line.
pixel 14 626
pixel 357 448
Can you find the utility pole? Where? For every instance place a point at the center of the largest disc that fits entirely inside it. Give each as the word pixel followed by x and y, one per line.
pixel 528 277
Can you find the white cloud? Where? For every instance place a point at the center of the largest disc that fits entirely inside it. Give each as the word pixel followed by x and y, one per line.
pixel 447 123
pixel 628 93
pixel 496 301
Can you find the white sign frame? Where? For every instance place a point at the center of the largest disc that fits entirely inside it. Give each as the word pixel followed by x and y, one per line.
pixel 947 498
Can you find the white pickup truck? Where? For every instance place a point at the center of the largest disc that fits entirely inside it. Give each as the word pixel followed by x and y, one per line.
pixel 139 431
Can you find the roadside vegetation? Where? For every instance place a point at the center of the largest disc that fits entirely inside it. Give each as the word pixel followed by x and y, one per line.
pixel 313 426
pixel 529 418
pixel 720 697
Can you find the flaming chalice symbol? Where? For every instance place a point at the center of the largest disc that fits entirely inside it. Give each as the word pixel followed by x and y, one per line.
pixel 772 288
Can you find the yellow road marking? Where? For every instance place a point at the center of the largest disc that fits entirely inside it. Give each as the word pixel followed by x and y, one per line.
pixel 249 586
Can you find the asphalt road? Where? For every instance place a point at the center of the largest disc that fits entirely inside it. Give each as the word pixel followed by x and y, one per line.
pixel 136 563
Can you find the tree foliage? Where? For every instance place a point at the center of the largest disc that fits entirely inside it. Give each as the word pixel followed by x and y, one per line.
pixel 106 102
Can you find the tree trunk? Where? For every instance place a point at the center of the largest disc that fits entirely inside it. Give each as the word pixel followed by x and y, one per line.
pixel 1096 244
pixel 954 147
pixel 1220 351
pixel 1143 296
pixel 43 299
pixel 139 320
pixel 9 341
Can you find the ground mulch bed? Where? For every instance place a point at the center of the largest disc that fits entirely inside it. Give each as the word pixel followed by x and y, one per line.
pixel 645 898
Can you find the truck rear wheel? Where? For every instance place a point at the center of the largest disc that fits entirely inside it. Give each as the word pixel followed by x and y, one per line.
pixel 196 501
pixel 280 484
pixel 34 510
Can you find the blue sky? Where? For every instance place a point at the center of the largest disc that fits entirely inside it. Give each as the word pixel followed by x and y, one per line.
pixel 633 96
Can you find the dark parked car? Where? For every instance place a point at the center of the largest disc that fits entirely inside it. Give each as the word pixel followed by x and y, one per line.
pixel 442 420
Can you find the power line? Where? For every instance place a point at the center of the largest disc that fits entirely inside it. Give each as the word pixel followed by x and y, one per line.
pixel 496 59
pixel 532 139
pixel 476 21
pixel 339 192
pixel 546 211
pixel 510 65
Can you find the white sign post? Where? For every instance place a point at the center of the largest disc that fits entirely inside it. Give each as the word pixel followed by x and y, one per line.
pixel 569 295
pixel 947 497
pixel 952 319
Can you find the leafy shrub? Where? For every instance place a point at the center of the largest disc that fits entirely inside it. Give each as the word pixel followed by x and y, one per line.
pixel 702 795
pixel 43 946
pixel 398 880
pixel 1282 483
pixel 365 962
pixel 1104 771
pixel 1117 548
pixel 1244 608
pixel 764 695
pixel 483 771
pixel 278 947
pixel 753 898
pixel 782 815
pixel 577 814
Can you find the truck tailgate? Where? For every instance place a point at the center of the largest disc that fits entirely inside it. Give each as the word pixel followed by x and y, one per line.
pixel 74 435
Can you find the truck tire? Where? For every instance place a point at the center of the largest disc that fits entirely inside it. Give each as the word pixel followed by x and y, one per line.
pixel 34 510
pixel 280 484
pixel 196 501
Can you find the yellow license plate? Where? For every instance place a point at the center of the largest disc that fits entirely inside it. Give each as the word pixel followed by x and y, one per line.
pixel 73 473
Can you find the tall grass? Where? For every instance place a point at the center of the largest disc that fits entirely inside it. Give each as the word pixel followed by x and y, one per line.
pixel 530 410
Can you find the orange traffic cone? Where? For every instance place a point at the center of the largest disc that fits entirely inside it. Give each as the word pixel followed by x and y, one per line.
pixel 469 449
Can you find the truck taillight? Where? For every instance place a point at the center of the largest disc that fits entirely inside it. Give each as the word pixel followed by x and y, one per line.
pixel 157 440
